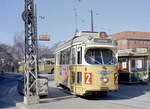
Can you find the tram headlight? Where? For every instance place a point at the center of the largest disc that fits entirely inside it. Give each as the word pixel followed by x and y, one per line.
pixel 104 79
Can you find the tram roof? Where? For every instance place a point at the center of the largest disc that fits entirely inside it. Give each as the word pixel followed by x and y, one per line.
pixel 88 38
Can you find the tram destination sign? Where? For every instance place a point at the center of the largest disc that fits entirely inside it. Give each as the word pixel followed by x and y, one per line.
pixel 99 40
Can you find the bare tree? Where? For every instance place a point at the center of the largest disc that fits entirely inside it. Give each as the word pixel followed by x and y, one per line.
pixel 18 48
pixel 45 51
pixel 5 57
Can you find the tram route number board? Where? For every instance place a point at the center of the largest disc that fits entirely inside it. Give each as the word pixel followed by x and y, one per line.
pixel 88 78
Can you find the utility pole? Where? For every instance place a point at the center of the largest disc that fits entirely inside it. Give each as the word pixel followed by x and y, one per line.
pixel 31 56
pixel 76 21
pixel 92 27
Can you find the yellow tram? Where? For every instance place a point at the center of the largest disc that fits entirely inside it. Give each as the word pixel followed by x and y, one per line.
pixel 87 64
pixel 45 65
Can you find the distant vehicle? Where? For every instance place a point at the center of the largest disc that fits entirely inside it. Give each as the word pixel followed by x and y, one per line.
pixel 86 64
pixel 21 67
pixel 46 66
pixel 133 66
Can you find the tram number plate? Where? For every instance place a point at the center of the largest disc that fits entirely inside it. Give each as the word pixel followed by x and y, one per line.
pixel 88 78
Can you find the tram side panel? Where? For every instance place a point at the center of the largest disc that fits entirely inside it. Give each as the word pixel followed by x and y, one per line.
pixel 86 79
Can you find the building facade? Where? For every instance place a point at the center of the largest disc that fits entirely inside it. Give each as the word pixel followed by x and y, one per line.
pixel 133 39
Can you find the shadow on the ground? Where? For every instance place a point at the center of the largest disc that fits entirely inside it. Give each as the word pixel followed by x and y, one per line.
pixel 57 94
pixel 126 91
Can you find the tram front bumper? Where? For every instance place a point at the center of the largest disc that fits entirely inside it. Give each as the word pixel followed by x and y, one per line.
pixel 104 88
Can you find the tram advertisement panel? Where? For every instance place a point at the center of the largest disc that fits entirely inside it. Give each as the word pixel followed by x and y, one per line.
pixel 64 71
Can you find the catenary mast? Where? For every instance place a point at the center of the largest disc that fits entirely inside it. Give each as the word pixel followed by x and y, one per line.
pixel 31 54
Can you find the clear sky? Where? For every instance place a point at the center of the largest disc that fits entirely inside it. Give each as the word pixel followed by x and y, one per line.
pixel 111 16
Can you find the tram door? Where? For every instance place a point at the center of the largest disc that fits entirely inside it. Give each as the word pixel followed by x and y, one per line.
pixel 78 87
pixel 75 69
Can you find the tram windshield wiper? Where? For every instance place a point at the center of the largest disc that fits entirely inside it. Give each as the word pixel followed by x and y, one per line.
pixel 93 59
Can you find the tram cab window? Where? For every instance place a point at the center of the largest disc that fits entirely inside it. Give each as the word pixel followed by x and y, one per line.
pixel 138 64
pixel 79 58
pixel 100 56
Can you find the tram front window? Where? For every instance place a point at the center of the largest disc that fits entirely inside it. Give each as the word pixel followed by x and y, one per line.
pixel 100 56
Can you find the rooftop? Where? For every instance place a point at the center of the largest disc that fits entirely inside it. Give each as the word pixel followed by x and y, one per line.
pixel 132 35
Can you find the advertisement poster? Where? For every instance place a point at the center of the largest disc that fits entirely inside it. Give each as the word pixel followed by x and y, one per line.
pixel 124 65
pixel 139 64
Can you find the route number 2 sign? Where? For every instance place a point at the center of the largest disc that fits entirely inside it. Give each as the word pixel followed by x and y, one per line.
pixel 88 78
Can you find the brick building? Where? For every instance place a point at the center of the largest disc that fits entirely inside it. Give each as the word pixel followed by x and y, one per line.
pixel 133 39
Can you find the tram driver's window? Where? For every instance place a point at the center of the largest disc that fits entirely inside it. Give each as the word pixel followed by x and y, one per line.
pixel 79 56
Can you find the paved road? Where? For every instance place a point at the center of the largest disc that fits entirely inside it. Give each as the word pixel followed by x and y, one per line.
pixel 128 97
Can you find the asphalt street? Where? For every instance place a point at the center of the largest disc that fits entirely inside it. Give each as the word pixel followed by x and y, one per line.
pixel 135 96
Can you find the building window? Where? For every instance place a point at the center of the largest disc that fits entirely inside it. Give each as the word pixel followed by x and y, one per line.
pixel 124 42
pixel 134 42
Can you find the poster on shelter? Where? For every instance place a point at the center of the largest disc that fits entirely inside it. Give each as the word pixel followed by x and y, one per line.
pixel 139 64
pixel 124 65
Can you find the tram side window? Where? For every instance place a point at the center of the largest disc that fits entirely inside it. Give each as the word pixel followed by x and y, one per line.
pixel 65 56
pixel 80 56
pixel 73 55
pixel 79 77
pixel 60 62
pixel 68 56
pixel 47 62
pixel 73 77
